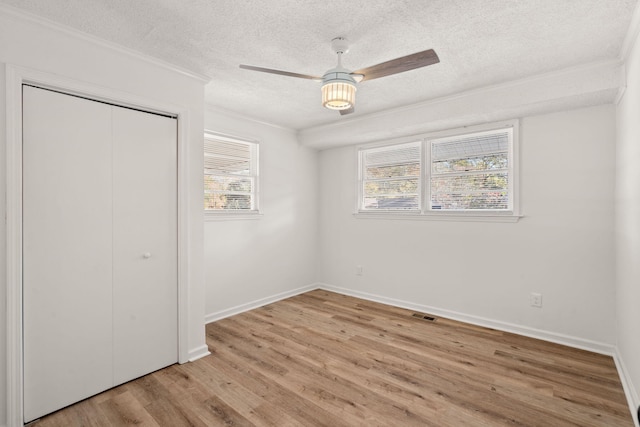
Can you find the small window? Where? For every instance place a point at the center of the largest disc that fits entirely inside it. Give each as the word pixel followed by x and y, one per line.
pixel 469 172
pixel 391 177
pixel 230 175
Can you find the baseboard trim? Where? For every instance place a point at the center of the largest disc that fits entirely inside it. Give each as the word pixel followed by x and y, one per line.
pixel 219 315
pixel 567 340
pixel 198 353
pixel 629 390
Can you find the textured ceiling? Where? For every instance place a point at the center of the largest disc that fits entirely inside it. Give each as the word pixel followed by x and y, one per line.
pixel 479 42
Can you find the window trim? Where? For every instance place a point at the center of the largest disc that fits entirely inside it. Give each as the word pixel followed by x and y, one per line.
pixel 424 213
pixel 210 214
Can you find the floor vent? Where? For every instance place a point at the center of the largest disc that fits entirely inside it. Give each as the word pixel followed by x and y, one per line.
pixel 424 317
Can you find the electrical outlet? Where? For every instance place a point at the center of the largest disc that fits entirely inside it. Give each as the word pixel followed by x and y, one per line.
pixel 358 270
pixel 536 299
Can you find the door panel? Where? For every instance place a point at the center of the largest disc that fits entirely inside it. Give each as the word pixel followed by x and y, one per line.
pixel 145 243
pixel 99 192
pixel 66 250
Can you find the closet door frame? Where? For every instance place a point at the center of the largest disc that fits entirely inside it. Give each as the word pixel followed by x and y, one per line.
pixel 15 78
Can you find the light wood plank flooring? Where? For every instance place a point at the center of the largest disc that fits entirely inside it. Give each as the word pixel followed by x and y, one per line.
pixel 325 359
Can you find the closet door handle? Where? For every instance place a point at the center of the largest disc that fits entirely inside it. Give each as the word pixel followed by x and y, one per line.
pixel 146 255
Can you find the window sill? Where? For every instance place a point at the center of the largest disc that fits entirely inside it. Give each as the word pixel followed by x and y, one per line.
pixel 463 217
pixel 231 216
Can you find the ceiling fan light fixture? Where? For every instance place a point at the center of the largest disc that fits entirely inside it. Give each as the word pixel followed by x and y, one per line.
pixel 338 90
pixel 339 85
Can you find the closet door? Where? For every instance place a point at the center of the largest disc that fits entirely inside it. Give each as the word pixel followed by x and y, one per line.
pixel 67 250
pixel 100 247
pixel 145 243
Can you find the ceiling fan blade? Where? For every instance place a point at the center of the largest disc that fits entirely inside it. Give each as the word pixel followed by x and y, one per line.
pixel 282 73
pixel 399 65
pixel 347 111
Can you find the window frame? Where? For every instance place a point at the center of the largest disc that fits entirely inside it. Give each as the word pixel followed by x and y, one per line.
pixel 425 212
pixel 254 164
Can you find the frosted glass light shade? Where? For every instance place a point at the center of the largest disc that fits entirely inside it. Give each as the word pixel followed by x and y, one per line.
pixel 338 95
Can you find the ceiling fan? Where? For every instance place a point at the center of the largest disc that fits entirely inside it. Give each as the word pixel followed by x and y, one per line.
pixel 339 84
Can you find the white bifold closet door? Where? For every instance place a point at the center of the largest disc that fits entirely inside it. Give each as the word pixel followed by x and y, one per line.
pixel 99 247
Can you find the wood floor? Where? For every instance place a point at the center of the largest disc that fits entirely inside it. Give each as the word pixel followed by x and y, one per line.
pixel 324 359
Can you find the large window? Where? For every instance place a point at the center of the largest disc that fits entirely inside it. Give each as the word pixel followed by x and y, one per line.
pixel 464 173
pixel 230 175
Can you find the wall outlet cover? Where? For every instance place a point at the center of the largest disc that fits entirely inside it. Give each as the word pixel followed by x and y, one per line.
pixel 536 299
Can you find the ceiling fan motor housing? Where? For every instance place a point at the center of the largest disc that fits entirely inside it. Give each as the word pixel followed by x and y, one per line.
pixel 338 85
pixel 338 89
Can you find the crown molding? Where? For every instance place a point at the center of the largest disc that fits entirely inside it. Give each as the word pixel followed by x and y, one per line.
pixel 72 32
pixel 238 116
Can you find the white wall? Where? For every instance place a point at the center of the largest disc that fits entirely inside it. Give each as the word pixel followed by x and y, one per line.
pixel 29 43
pixel 628 223
pixel 248 260
pixel 562 248
pixel 3 258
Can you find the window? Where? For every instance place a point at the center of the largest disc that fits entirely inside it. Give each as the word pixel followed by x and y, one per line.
pixel 471 172
pixel 230 175
pixel 465 173
pixel 391 177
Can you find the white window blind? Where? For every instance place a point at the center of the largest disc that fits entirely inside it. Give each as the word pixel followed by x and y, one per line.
pixel 471 172
pixel 230 174
pixel 391 177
